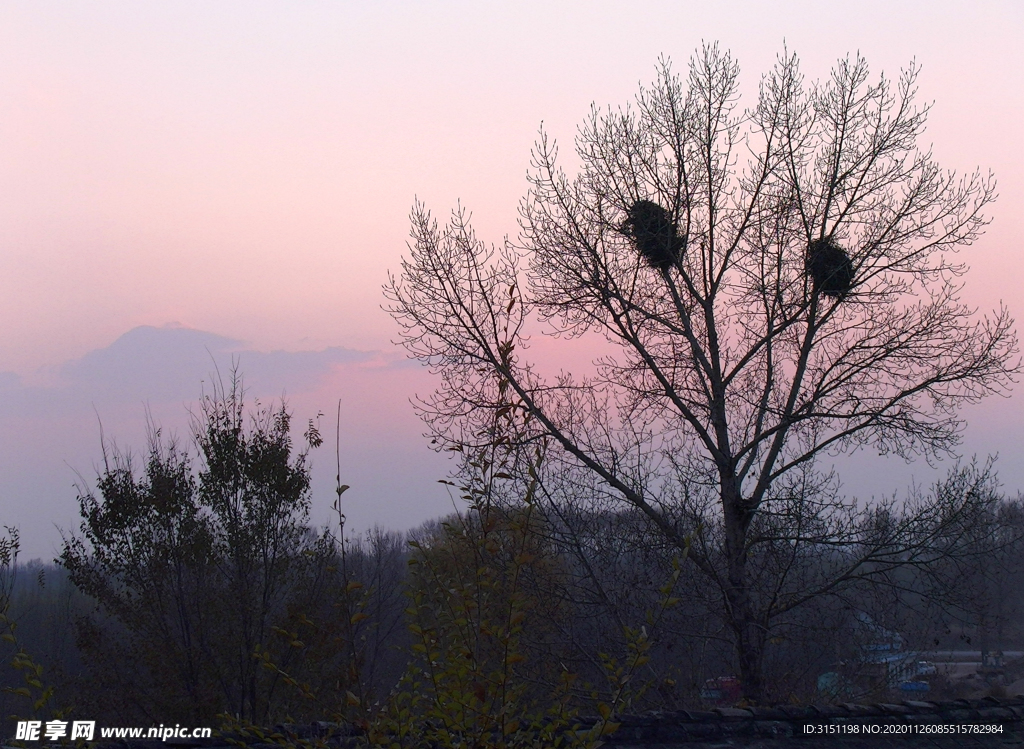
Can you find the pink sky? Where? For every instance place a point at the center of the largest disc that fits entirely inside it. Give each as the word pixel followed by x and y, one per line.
pixel 247 168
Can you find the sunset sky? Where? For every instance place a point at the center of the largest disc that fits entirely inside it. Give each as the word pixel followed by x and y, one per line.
pixel 237 177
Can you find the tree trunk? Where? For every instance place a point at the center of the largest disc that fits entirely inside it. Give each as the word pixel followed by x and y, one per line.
pixel 747 630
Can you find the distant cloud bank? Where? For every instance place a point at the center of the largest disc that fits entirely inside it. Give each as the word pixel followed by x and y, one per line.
pixel 50 424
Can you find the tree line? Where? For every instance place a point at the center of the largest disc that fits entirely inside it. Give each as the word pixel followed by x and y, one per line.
pixel 196 591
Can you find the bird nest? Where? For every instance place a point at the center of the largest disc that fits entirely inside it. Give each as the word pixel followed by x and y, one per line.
pixel 654 233
pixel 830 268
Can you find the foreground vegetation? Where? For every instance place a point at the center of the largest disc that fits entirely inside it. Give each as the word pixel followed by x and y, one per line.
pixel 196 592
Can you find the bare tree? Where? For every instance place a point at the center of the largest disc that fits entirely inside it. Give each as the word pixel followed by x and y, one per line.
pixel 776 283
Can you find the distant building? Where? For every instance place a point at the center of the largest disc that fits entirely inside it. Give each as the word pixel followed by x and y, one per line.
pixel 880 662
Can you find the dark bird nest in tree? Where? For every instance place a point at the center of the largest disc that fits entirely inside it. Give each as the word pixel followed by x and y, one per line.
pixel 654 232
pixel 830 268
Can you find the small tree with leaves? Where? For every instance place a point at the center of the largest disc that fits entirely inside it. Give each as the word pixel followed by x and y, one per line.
pixel 206 573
